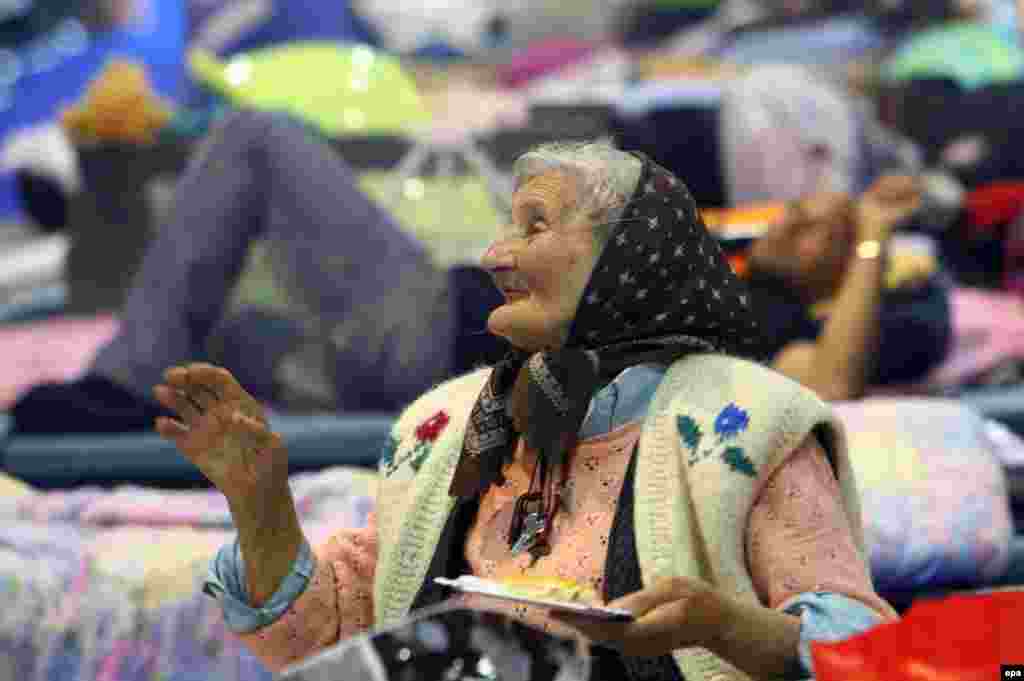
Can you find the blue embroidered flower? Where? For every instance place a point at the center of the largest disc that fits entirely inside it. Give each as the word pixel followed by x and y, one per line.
pixel 731 422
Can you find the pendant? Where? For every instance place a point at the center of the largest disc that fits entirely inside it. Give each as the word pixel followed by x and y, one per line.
pixel 540 548
pixel 532 528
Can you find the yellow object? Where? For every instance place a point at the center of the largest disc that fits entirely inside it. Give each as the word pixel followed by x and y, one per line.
pixel 550 589
pixel 12 488
pixel 869 250
pixel 905 269
pixel 661 67
pixel 341 90
pixel 752 220
pixel 909 268
pixel 119 106
pixel 424 207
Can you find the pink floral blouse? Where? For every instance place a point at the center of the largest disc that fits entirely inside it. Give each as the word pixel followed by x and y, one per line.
pixel 798 540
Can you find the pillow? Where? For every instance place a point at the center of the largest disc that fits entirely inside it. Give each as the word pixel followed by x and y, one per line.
pixel 933 493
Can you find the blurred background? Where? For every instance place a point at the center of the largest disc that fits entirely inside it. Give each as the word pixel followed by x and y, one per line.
pixel 173 173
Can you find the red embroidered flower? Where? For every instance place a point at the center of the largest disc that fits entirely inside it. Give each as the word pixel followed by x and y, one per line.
pixel 430 429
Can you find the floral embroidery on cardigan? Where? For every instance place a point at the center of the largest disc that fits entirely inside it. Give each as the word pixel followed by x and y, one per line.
pixel 426 434
pixel 730 423
pixel 429 430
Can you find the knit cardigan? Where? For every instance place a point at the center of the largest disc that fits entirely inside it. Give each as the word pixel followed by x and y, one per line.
pixel 716 430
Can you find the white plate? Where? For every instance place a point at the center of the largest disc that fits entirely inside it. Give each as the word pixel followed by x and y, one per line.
pixel 489 589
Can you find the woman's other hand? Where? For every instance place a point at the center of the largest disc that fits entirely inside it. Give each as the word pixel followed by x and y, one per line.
pixel 888 202
pixel 222 429
pixel 672 614
pixel 679 612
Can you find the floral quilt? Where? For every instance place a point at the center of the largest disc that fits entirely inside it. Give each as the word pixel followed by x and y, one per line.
pixel 105 585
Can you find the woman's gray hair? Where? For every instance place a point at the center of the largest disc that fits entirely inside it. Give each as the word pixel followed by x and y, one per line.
pixel 607 178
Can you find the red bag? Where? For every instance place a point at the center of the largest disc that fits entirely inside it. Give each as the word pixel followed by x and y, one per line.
pixel 994 204
pixel 960 638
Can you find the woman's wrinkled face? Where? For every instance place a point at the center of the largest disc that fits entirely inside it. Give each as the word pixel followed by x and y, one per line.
pixel 542 264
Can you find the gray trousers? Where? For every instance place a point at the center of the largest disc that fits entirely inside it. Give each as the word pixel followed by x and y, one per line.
pixel 376 315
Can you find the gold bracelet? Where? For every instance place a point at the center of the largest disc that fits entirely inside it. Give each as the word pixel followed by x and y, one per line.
pixel 869 250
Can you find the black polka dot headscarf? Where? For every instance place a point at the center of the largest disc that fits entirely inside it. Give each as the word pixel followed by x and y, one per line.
pixel 661 289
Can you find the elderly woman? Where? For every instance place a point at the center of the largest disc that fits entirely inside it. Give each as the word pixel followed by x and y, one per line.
pixel 625 443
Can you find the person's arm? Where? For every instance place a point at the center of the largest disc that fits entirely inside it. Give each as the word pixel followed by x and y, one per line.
pixel 223 431
pixel 326 596
pixel 837 365
pixel 805 567
pixel 269 536
pixel 803 558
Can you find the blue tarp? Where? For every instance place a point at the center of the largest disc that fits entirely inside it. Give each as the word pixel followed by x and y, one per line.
pixel 157 40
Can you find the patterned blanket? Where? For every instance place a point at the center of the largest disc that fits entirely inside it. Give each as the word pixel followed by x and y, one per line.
pixel 106 585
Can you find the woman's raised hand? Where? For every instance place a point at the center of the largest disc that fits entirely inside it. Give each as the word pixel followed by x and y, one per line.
pixel 889 201
pixel 222 429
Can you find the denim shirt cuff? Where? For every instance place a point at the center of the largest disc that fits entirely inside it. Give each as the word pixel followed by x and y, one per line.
pixel 226 582
pixel 825 617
